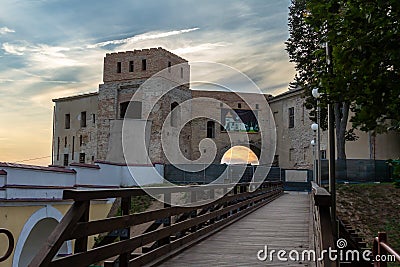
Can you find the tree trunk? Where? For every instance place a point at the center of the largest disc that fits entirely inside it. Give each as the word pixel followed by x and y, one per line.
pixel 341 118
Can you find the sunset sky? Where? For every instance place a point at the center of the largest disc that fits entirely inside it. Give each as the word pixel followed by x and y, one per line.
pixel 52 48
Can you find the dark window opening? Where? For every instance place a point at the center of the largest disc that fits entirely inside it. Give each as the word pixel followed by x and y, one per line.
pixel 144 64
pixel 83 119
pixel 80 140
pixel 66 160
pixel 94 118
pixel 65 141
pixel 131 66
pixel 58 148
pixel 323 154
pixel 73 147
pixel 67 121
pixel 291 117
pixel 81 157
pixel 92 159
pixel 181 72
pixel 210 129
pixel 239 105
pixel 174 115
pixel 275 162
pixel 119 67
pixel 169 66
pixel 257 106
pixel 130 110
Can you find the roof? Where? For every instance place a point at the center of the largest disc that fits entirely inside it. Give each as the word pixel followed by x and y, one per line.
pixel 34 167
pixel 3 172
pixel 286 94
pixel 75 97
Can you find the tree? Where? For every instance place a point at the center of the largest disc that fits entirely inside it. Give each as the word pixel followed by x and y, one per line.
pixel 365 78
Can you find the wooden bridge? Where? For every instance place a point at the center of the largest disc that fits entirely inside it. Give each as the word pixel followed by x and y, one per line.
pixel 220 225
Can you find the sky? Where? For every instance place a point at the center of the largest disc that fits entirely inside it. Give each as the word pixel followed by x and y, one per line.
pixel 55 48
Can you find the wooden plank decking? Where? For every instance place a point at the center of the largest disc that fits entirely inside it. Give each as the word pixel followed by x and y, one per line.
pixel 281 224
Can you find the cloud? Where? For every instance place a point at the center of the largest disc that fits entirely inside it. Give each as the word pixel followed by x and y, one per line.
pixel 142 37
pixel 5 30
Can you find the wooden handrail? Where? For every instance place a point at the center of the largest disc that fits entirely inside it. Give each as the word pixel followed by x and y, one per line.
pixel 321 204
pixel 381 248
pixel 75 224
pixel 10 244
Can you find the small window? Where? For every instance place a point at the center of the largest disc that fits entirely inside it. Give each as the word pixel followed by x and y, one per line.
pixel 73 147
pixel 58 148
pixel 83 119
pixel 81 157
pixel 323 154
pixel 210 129
pixel 65 141
pixel 144 64
pixel 80 140
pixel 67 121
pixel 239 105
pixel 66 160
pixel 175 115
pixel 169 66
pixel 181 72
pixel 131 66
pixel 119 68
pixel 257 106
pixel 92 159
pixel 94 118
pixel 291 117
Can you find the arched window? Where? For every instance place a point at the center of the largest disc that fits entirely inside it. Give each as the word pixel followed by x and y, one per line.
pixel 175 114
pixel 240 155
pixel 130 110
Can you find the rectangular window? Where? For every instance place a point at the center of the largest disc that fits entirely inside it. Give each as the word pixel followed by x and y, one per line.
pixel 80 140
pixel 169 66
pixel 181 72
pixel 81 157
pixel 210 129
pixel 83 119
pixel 291 117
pixel 323 154
pixel 131 66
pixel 119 67
pixel 65 141
pixel 144 64
pixel 94 118
pixel 257 106
pixel 58 148
pixel 239 105
pixel 66 160
pixel 67 121
pixel 73 147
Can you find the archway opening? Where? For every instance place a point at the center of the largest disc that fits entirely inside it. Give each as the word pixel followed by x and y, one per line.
pixel 239 155
pixel 36 238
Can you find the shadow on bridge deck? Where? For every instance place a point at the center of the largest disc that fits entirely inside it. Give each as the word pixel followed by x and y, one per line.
pixel 281 224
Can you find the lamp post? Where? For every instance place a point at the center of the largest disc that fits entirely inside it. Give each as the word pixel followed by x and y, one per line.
pixel 314 167
pixel 317 96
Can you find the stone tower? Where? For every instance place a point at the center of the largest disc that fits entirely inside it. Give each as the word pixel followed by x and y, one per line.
pixel 127 74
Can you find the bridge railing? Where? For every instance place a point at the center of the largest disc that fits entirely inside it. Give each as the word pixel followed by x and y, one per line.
pixel 381 250
pixel 322 223
pixel 166 237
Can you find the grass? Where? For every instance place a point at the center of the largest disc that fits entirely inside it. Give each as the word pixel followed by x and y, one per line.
pixel 371 208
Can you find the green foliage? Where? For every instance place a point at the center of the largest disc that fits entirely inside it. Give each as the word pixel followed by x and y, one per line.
pixel 138 204
pixel 364 36
pixel 396 171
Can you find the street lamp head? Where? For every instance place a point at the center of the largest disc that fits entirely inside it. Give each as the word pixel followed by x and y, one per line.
pixel 313 142
pixel 315 93
pixel 314 126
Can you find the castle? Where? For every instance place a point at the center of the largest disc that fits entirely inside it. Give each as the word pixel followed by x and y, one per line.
pixel 88 127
